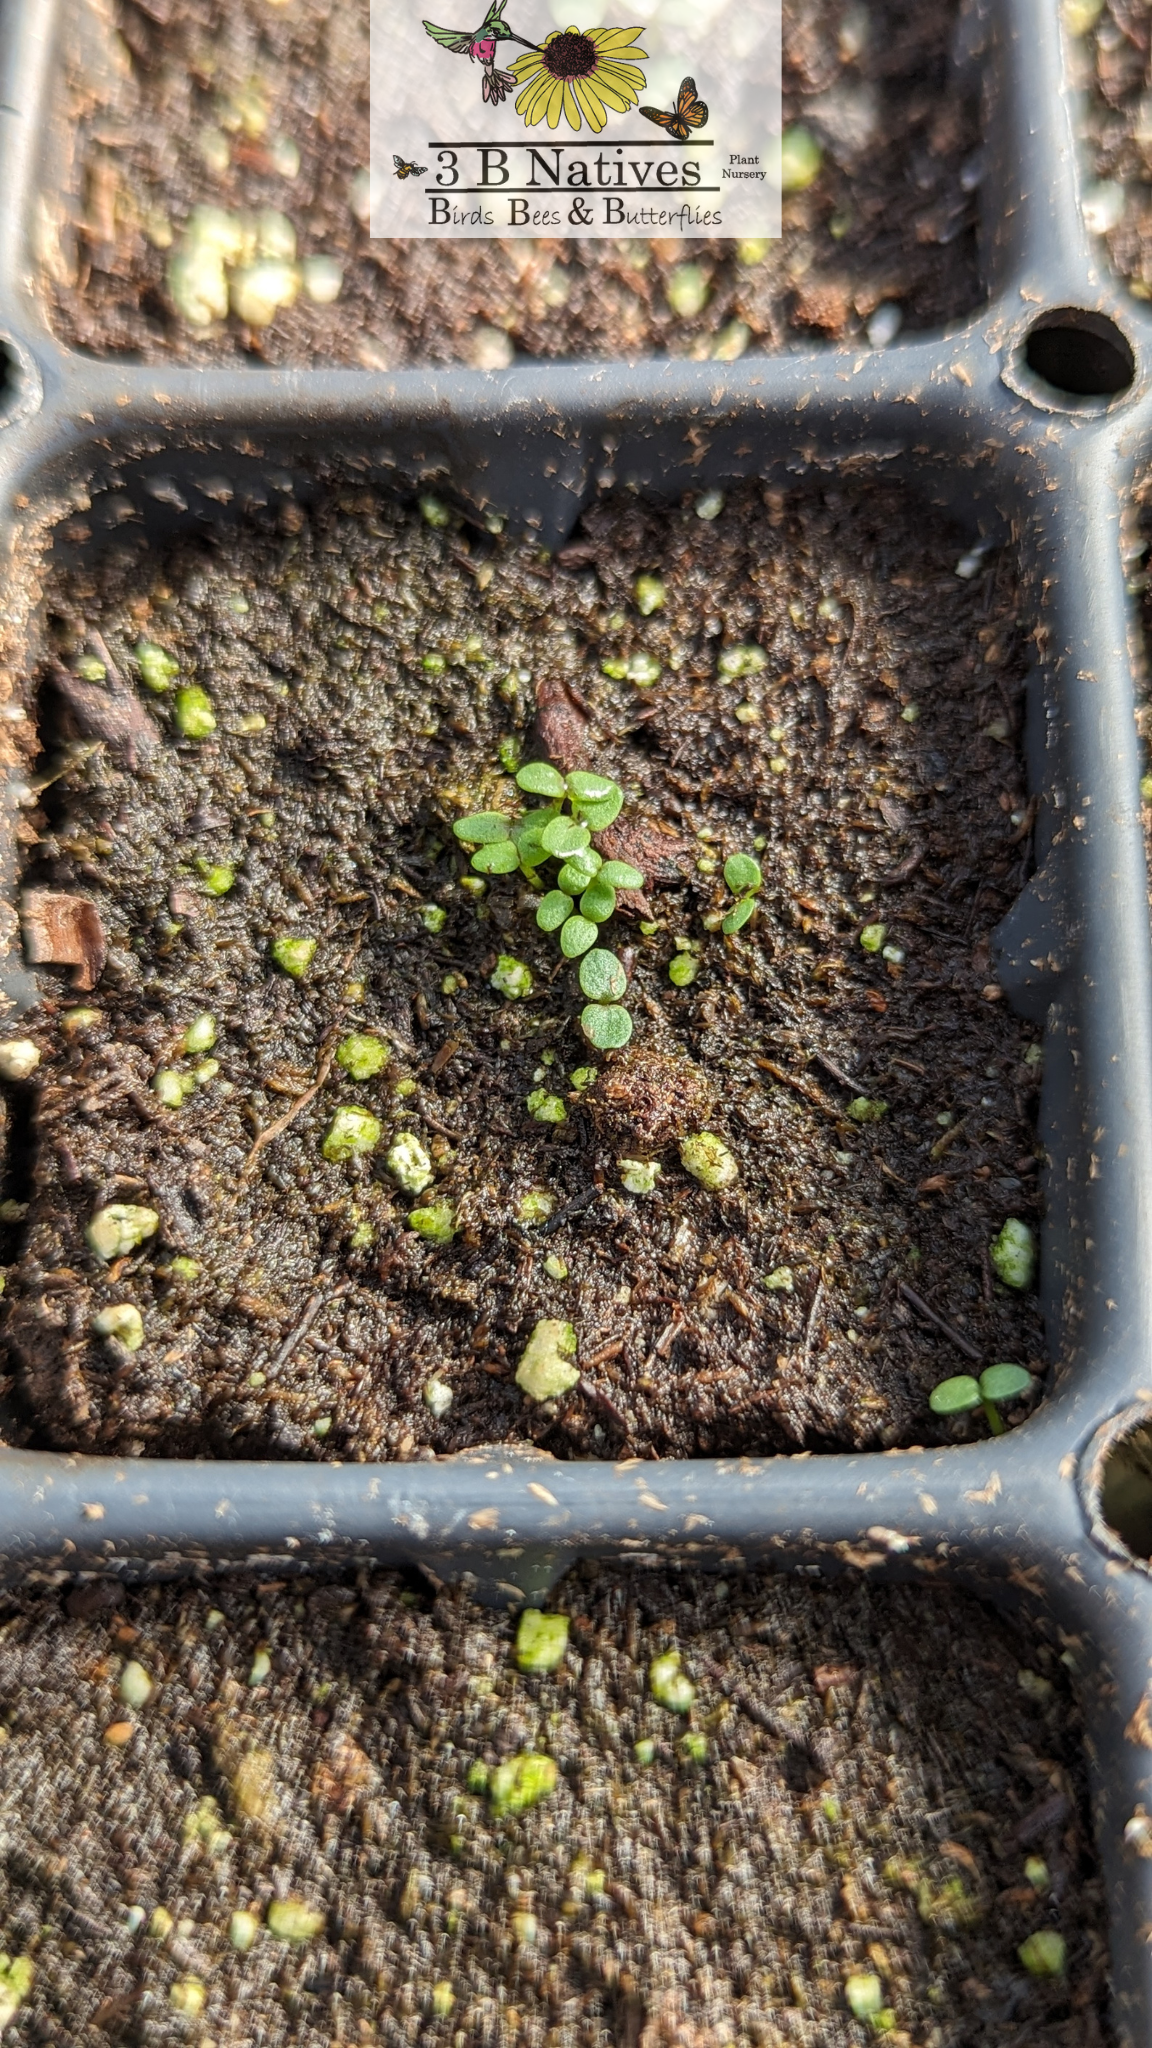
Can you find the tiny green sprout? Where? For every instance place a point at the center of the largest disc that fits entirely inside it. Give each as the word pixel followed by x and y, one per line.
pixel 361 1055
pixel 614 668
pixel 866 1110
pixel 650 595
pixel 1044 1953
pixel 437 1222
pixel 639 1176
pixel 511 978
pixel 682 970
pixel 576 935
pixel 200 1035
pixel 546 1108
pixel 433 917
pixel 539 778
pixel 409 1164
pixel 293 1920
pixel 547 1368
pixel 522 1781
pixel 800 159
pixel 643 670
pixel 996 1383
pixel 351 1132
pixel 737 662
pixel 1013 1254
pixel 607 1026
pixel 90 670
pixel 780 1280
pixel 541 1640
pixel 117 1230
pixel 708 1159
pixel 669 1684
pixel 218 877
pixel 482 828
pixel 433 511
pixel 433 664
pixel 157 667
pixel 193 712
pixel 556 1267
pixel 181 1268
pixel 443 1999
pixel 1037 1873
pixel 293 956
pixel 644 1751
pixel 693 1747
pixel 602 976
pixel 742 874
pixel 872 937
pixel 172 1087
pixel 864 1995
pixel 582 1078
pixel 738 916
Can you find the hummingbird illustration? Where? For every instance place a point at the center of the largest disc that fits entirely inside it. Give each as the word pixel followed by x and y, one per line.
pixel 481 44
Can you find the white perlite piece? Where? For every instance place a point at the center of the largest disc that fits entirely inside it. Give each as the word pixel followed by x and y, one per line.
pixel 18 1058
pixel 547 1368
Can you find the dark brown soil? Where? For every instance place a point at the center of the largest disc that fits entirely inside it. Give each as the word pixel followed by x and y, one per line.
pixel 890 217
pixel 872 762
pixel 1109 65
pixel 877 1766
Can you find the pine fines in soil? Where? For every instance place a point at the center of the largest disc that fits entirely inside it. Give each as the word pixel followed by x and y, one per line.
pixel 369 675
pixel 877 1794
pixel 237 104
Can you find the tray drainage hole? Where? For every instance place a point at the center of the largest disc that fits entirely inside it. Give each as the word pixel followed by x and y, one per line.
pixel 1082 354
pixel 1126 1490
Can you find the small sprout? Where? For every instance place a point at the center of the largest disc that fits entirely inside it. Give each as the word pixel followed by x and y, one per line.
pixel 650 595
pixel 872 937
pixel 437 1222
pixel 800 159
pixel 217 876
pixel 996 1383
pixel 555 907
pixel 351 1132
pixel 261 1667
pixel 780 1280
pixel 1037 1873
pixel 644 1751
pixel 546 1369
pixel 541 1640
pixel 161 1924
pixel 481 828
pixel 478 1776
pixel 669 1684
pixel 643 671
pixel 198 284
pixel 708 1159
pixel 172 1087
pixel 738 916
pixel 639 1176
pixel 1043 1954
pixel 433 917
pixel 243 1931
pixel 117 1230
pixel 437 1398
pixel 546 1108
pixel 539 778
pixel 602 976
pixel 433 511
pixel 294 1920
pixel 607 1026
pixel 614 668
pixel 443 1999
pixel 361 1055
pixel 157 667
pixel 123 1322
pixel 193 712
pixel 687 290
pixel 512 978
pixel 1013 1254
pixel 135 1687
pixel 181 1268
pixel 864 1109
pixel 19 1057
pixel 293 956
pixel 200 1035
pixel 556 1267
pixel 188 1995
pixel 693 1747
pixel 521 1782
pixel 736 662
pixel 742 874
pixel 576 935
pixel 582 1078
pixel 683 969
pixel 864 1994
pixel 535 1207
pixel 409 1164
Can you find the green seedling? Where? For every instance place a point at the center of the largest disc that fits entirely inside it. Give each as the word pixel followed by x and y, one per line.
pixel 744 879
pixel 996 1383
pixel 584 896
pixel 541 1640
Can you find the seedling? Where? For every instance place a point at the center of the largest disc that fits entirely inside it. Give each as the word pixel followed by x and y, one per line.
pixel 744 878
pixel 584 895
pixel 996 1383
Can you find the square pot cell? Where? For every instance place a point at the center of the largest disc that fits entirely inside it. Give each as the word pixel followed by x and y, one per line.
pixel 746 1810
pixel 254 109
pixel 318 1160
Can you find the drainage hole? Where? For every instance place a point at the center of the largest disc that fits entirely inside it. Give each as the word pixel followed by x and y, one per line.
pixel 1126 1490
pixel 1082 354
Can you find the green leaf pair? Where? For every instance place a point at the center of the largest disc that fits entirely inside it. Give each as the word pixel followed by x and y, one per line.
pixel 744 878
pixel 963 1392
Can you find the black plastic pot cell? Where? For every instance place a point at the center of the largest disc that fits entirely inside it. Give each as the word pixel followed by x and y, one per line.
pixel 1028 420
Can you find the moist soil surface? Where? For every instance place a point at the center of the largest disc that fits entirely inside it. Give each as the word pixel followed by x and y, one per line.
pixel 148 90
pixel 1108 63
pixel 872 1783
pixel 368 673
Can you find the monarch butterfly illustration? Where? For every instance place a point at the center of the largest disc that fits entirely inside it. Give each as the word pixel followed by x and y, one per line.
pixel 688 113
pixel 404 170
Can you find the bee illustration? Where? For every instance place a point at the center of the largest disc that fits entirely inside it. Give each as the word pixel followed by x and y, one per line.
pixel 688 113
pixel 404 170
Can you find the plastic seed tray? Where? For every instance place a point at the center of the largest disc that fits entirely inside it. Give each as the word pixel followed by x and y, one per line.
pixel 1030 419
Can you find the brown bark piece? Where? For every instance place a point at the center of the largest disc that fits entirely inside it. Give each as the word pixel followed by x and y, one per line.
pixel 61 930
